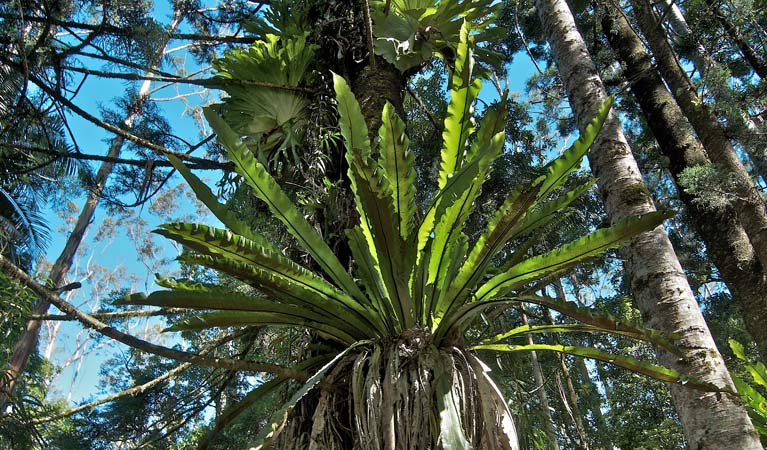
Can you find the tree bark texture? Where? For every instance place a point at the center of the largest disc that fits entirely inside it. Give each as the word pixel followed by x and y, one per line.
pixel 748 203
pixel 663 295
pixel 726 241
pixel 748 134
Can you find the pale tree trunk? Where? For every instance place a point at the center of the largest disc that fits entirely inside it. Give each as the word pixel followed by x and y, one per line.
pixel 587 385
pixel 711 420
pixel 749 206
pixel 726 241
pixel 701 58
pixel 27 342
pixel 540 387
pixel 569 396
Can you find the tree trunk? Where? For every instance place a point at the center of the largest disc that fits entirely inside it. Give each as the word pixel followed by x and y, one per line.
pixel 748 52
pixel 587 385
pixel 540 387
pixel 711 420
pixel 682 35
pixel 726 241
pixel 703 61
pixel 27 342
pixel 748 203
pixel 570 397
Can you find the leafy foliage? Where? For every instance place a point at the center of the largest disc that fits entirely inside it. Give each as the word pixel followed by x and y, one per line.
pixel 419 285
pixel 272 117
pixel 409 32
pixel 755 401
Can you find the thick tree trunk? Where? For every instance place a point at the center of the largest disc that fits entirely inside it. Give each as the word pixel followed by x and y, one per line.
pixel 374 86
pixel 748 203
pixel 725 239
pixel 27 342
pixel 711 420
pixel 748 127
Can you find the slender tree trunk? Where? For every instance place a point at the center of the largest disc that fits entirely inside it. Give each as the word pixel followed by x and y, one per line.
pixel 711 420
pixel 540 386
pixel 701 58
pixel 748 203
pixel 757 64
pixel 27 342
pixel 748 126
pixel 570 397
pixel 587 385
pixel 725 239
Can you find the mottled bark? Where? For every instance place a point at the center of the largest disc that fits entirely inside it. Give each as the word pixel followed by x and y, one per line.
pixel 663 295
pixel 747 201
pixel 726 241
pixel 374 86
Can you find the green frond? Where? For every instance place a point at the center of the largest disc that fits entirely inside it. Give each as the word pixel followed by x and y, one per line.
pixel 558 169
pixel 563 258
pixel 414 31
pixel 286 289
pixel 459 122
pixel 269 118
pixel 374 197
pixel 643 335
pixel 645 368
pixel 259 393
pixel 291 317
pixel 221 211
pixel 267 189
pixel 499 232
pixel 398 162
pixel 225 300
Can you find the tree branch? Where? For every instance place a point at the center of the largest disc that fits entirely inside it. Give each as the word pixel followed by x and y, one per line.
pixel 135 390
pixel 115 30
pixel 140 344
pixel 195 162
pixel 208 82
pixel 112 315
pixel 95 120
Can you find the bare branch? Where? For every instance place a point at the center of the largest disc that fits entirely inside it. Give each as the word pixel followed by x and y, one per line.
pixel 140 344
pixel 113 315
pixel 135 390
pixel 95 120
pixel 194 162
pixel 208 82
pixel 115 30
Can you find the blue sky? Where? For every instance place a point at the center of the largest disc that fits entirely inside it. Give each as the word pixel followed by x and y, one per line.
pixel 120 252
